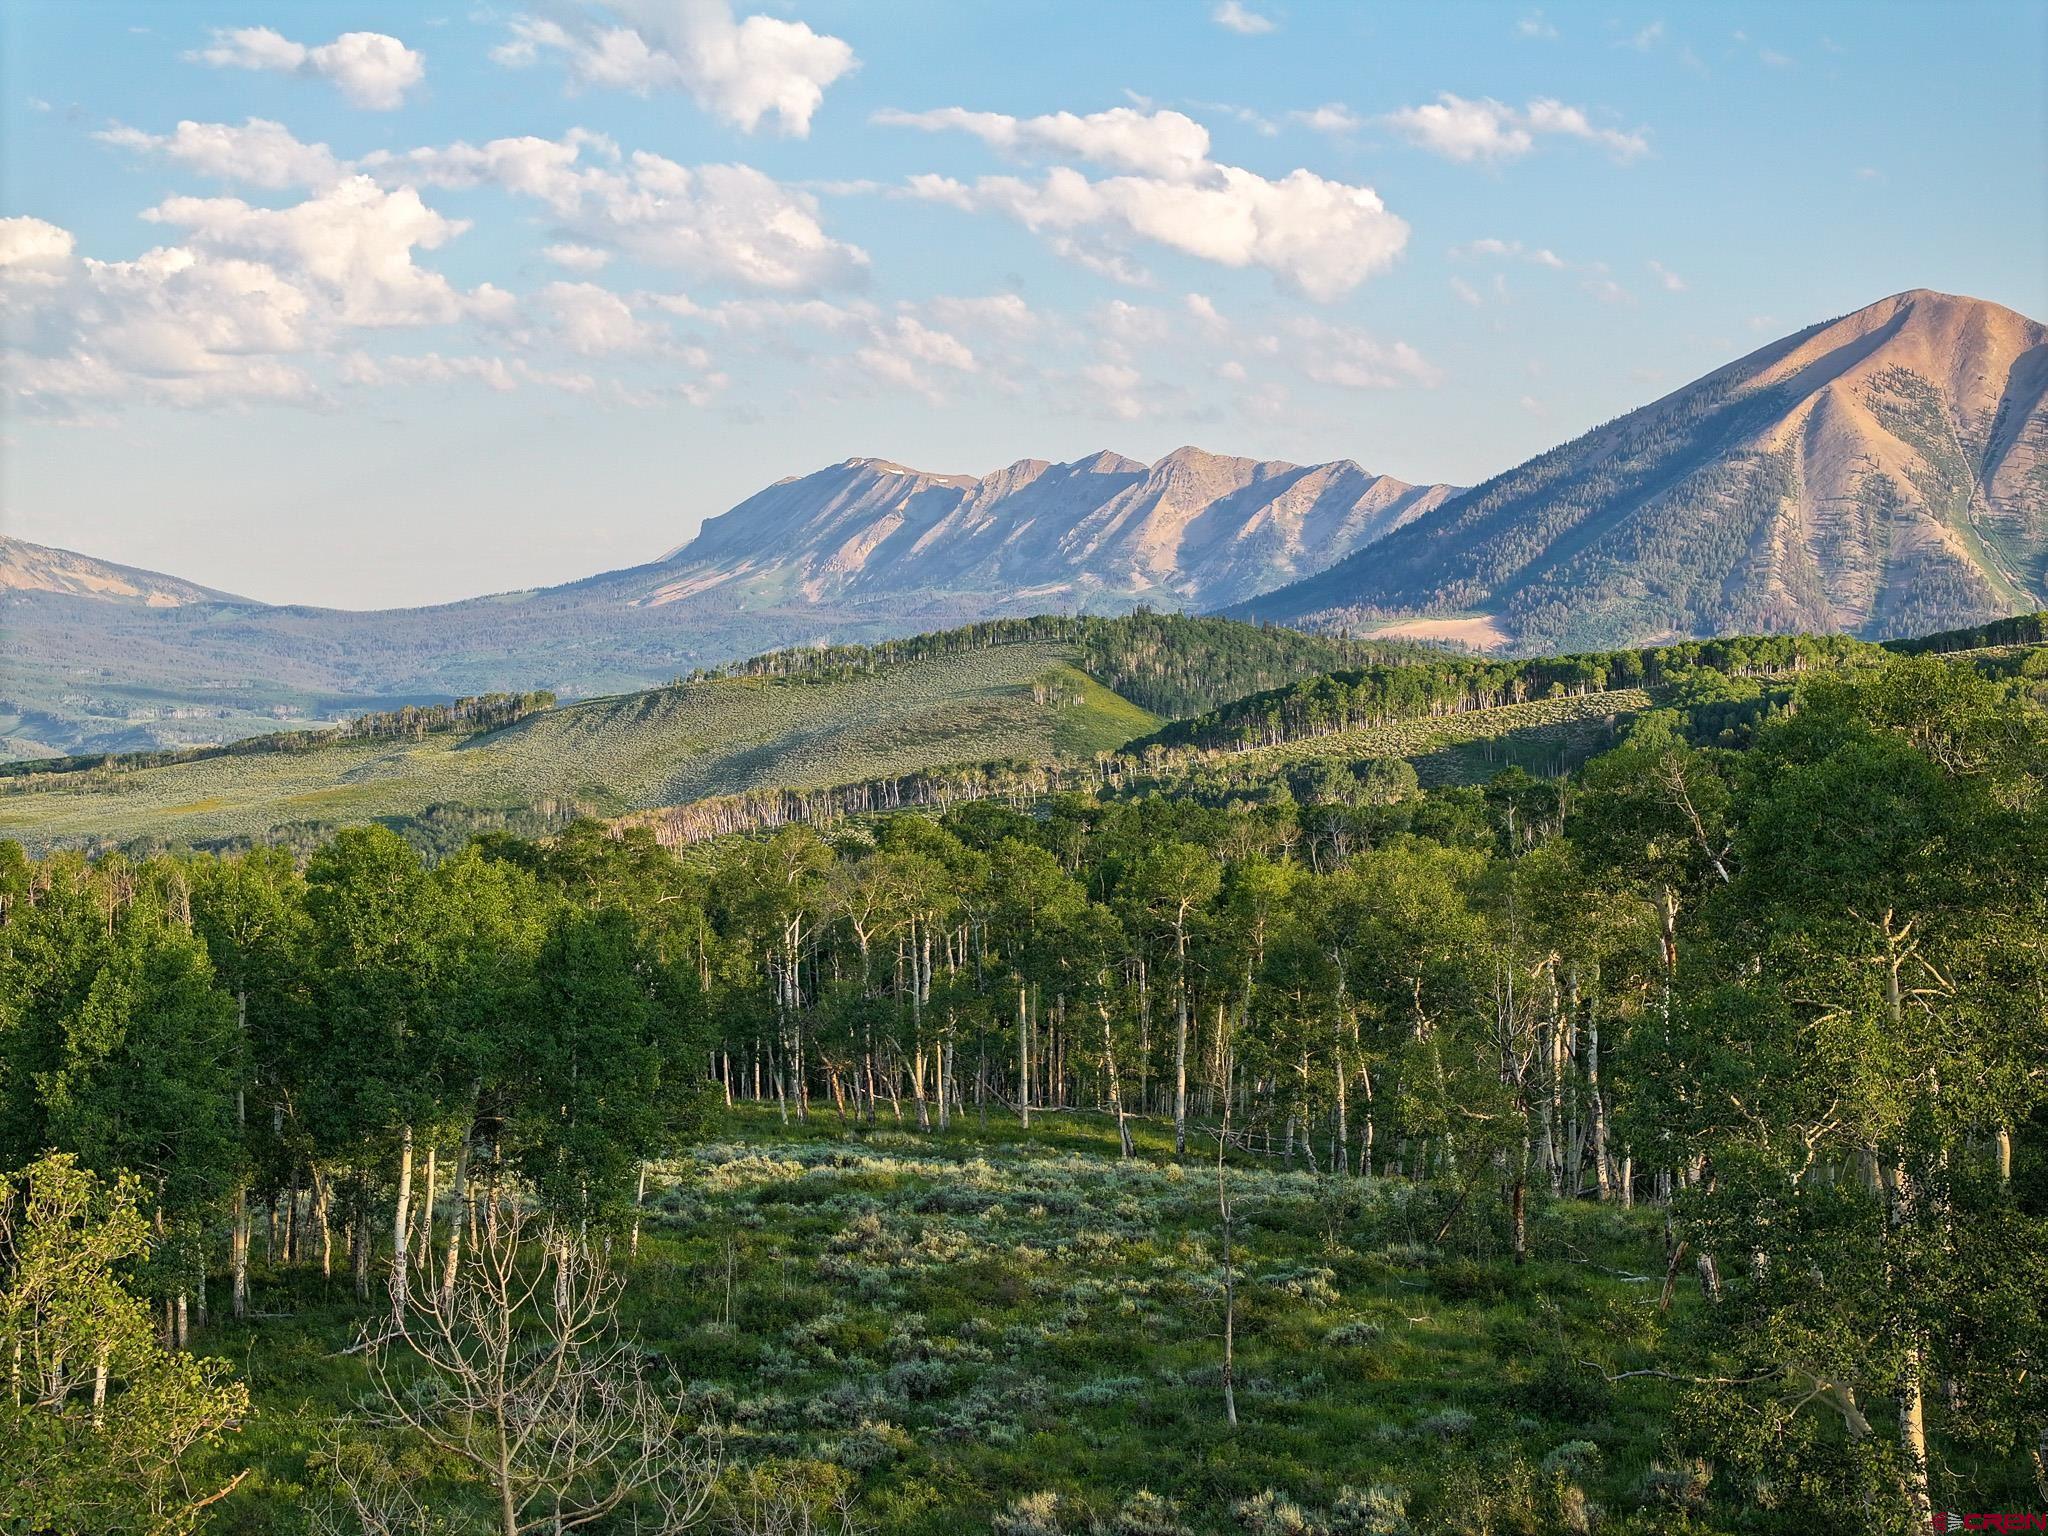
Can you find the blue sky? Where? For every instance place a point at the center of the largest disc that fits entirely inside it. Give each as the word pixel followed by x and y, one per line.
pixel 371 304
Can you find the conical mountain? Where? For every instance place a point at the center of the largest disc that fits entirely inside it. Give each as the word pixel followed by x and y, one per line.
pixel 1882 474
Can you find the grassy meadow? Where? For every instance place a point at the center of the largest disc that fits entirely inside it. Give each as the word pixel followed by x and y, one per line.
pixel 997 1330
pixel 661 747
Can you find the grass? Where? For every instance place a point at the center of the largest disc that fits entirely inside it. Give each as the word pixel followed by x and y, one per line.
pixel 660 747
pixel 988 1327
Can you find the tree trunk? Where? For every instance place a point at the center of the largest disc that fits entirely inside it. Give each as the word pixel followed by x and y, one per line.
pixel 1180 1046
pixel 458 1190
pixel 1116 1092
pixel 1599 1105
pixel 401 1224
pixel 1023 1061
pixel 639 1200
pixel 424 1247
pixel 1913 1437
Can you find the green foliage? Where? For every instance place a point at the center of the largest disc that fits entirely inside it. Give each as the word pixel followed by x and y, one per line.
pixel 102 1429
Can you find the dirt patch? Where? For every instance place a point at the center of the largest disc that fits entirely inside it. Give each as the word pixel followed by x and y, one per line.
pixel 1479 631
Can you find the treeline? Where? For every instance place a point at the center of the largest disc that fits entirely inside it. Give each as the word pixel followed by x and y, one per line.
pixel 1171 664
pixel 1353 700
pixel 413 722
pixel 2021 629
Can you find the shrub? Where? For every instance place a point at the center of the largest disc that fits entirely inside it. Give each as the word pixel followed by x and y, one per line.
pixel 1353 1334
pixel 1147 1514
pixel 1574 1459
pixel 1379 1510
pixel 1446 1424
pixel 1681 1484
pixel 1036 1514
pixel 1274 1514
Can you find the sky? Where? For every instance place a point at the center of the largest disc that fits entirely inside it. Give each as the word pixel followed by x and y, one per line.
pixel 372 304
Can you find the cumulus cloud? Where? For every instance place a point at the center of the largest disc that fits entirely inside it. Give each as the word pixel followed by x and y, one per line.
pixel 1317 237
pixel 740 71
pixel 34 252
pixel 1489 130
pixel 1234 16
pixel 1667 279
pixel 235 305
pixel 727 222
pixel 355 241
pixel 1166 144
pixel 371 69
pixel 259 152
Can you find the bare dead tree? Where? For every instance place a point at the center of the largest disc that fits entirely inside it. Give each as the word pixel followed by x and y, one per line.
pixel 518 1370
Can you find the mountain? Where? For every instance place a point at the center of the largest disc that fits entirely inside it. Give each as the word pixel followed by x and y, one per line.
pixel 1879 474
pixel 26 567
pixel 1194 529
pixel 99 658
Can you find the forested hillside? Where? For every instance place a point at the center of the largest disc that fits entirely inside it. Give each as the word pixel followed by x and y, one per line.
pixel 1036 690
pixel 1663 1147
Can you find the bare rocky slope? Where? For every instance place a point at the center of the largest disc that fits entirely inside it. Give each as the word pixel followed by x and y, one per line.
pixel 1882 474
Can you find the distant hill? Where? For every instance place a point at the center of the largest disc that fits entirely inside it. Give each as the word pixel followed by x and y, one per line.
pixel 105 659
pixel 1034 690
pixel 1879 474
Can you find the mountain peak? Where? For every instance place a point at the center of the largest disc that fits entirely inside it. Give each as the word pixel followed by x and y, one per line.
pixel 1883 473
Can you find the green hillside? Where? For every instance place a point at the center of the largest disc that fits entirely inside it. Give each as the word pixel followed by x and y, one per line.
pixel 610 755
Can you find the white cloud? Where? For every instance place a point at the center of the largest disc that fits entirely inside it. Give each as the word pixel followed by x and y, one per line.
pixel 1114 389
pixel 1488 130
pixel 1332 117
pixel 727 222
pixel 371 69
pixel 1466 293
pixel 1604 288
pixel 1512 250
pixel 259 152
pixel 1535 25
pixel 34 252
pixel 905 351
pixel 577 258
pixel 1645 39
pixel 591 321
pixel 1463 130
pixel 1352 359
pixel 1166 144
pixel 501 375
pixel 1233 16
pixel 1002 314
pixel 1548 115
pixel 739 71
pixel 1318 237
pixel 355 240
pixel 1667 279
